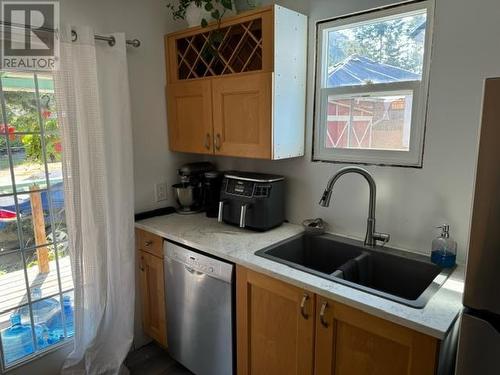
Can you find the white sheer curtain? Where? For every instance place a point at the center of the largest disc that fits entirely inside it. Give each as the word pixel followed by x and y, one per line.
pixel 94 111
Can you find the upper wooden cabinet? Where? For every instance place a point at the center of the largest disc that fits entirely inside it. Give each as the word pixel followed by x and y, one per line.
pixel 190 116
pixel 241 44
pixel 239 89
pixel 242 114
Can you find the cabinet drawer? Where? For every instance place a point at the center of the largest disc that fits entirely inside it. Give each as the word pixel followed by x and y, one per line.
pixel 150 243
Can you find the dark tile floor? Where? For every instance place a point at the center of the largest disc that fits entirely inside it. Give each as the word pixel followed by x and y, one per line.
pixel 153 360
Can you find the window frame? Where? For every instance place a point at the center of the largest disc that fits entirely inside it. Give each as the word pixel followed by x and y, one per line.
pixel 411 158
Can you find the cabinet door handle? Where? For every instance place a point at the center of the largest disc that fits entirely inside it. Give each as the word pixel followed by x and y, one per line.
pixel 207 141
pixel 148 243
pixel 303 312
pixel 322 314
pixel 217 142
pixel 141 264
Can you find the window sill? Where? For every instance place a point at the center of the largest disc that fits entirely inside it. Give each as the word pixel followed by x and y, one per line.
pixel 36 356
pixel 367 163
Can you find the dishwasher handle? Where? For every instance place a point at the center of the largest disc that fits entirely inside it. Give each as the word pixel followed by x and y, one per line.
pixel 193 271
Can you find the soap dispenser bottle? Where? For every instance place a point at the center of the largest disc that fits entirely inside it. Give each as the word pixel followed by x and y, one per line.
pixel 444 248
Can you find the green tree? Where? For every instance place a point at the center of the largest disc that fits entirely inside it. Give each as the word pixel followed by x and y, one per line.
pixel 33 144
pixel 22 114
pixel 337 48
pixel 388 42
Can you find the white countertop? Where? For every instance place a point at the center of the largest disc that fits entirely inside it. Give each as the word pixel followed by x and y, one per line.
pixel 239 246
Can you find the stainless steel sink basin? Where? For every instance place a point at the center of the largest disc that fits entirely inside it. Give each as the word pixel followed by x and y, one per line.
pixel 399 276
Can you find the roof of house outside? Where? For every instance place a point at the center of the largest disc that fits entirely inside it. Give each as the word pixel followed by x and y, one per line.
pixel 358 70
pixel 419 29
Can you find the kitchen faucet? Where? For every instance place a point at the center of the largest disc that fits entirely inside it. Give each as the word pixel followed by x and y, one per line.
pixel 372 236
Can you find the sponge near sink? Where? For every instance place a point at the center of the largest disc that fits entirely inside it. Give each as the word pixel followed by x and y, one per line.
pixel 314 226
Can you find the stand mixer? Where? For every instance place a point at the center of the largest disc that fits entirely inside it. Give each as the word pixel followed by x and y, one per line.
pixel 189 193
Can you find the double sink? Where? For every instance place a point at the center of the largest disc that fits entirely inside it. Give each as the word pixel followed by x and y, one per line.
pixel 406 278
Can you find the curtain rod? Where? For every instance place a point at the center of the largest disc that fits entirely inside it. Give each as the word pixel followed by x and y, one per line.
pixel 74 36
pixel 110 39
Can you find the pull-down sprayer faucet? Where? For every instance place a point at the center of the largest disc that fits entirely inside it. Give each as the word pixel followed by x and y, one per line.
pixel 372 236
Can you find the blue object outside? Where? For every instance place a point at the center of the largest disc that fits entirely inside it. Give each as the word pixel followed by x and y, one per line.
pixel 17 340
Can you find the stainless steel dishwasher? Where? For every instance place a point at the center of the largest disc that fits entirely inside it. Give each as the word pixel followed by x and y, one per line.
pixel 199 293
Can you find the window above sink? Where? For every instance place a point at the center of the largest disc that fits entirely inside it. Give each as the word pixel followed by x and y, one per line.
pixel 372 75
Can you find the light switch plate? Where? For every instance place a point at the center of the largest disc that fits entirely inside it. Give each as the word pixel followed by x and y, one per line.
pixel 161 192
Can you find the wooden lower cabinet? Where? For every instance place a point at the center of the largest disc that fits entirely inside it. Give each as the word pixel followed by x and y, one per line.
pixel 275 335
pixel 351 342
pixel 153 296
pixel 274 338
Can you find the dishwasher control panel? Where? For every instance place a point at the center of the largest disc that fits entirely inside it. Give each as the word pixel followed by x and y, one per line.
pixel 194 262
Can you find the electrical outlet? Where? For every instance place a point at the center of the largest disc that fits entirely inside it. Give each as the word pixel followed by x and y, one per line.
pixel 161 192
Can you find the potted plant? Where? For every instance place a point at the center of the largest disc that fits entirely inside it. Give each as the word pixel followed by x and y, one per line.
pixel 201 12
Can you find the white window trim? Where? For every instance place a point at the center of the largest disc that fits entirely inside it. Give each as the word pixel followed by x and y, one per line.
pixel 411 158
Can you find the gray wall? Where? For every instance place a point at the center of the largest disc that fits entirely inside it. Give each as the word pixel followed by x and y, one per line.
pixel 410 201
pixel 148 21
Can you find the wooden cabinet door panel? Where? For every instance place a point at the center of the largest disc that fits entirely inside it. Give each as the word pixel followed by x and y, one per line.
pixel 356 343
pixel 153 296
pixel 242 115
pixel 273 337
pixel 190 116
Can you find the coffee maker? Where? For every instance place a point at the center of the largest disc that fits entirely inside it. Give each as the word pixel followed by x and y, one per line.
pixel 211 192
pixel 190 192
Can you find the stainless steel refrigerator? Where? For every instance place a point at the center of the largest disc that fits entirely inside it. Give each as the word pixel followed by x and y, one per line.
pixel 479 340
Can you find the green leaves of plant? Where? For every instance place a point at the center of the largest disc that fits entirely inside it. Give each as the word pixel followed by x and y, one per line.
pixel 179 10
pixel 216 14
pixel 228 4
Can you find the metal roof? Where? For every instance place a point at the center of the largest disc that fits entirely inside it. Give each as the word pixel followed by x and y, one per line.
pixel 359 70
pixel 420 28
